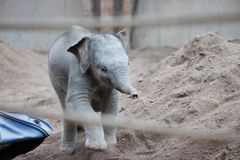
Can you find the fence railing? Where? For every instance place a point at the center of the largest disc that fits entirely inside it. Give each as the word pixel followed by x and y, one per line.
pixel 118 21
pixel 149 126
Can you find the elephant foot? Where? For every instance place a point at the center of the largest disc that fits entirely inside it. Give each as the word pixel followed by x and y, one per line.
pixel 95 138
pixel 111 140
pixel 99 145
pixel 67 147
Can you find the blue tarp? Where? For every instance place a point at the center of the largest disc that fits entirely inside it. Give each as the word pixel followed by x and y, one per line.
pixel 20 132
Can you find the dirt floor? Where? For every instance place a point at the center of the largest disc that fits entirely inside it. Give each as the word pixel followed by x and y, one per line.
pixel 197 86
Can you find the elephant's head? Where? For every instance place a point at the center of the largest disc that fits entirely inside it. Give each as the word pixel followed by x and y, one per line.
pixel 106 57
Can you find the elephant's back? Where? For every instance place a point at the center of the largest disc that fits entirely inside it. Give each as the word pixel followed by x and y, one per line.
pixel 58 66
pixel 59 58
pixel 71 37
pixel 58 54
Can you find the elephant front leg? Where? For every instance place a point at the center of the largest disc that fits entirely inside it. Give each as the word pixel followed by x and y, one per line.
pixel 93 127
pixel 94 133
pixel 110 107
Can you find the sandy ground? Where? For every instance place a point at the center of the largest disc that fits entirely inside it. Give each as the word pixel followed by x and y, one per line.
pixel 196 86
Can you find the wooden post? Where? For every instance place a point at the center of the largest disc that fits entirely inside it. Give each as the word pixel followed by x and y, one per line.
pixel 107 10
pixel 96 11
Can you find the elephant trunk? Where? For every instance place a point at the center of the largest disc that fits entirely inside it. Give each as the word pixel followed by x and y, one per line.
pixel 129 90
pixel 121 83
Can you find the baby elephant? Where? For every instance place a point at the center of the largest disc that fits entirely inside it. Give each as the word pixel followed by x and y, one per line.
pixel 87 70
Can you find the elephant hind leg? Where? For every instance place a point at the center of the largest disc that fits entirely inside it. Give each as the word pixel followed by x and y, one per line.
pixel 69 133
pixel 110 106
pixel 69 136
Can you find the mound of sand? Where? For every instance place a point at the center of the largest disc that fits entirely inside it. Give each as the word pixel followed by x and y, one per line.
pixel 198 86
pixel 200 77
pixel 24 79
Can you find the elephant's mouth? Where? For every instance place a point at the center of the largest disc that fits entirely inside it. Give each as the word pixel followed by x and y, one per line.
pixel 107 83
pixel 119 89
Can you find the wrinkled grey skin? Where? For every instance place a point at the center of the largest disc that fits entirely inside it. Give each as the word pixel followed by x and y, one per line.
pixel 86 70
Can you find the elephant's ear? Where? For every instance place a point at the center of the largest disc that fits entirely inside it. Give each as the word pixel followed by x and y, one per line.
pixel 123 36
pixel 81 50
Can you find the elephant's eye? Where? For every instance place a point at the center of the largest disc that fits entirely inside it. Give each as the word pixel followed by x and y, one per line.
pixel 128 63
pixel 103 69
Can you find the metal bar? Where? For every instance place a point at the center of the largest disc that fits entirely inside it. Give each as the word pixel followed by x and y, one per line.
pixel 119 21
pixel 133 124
